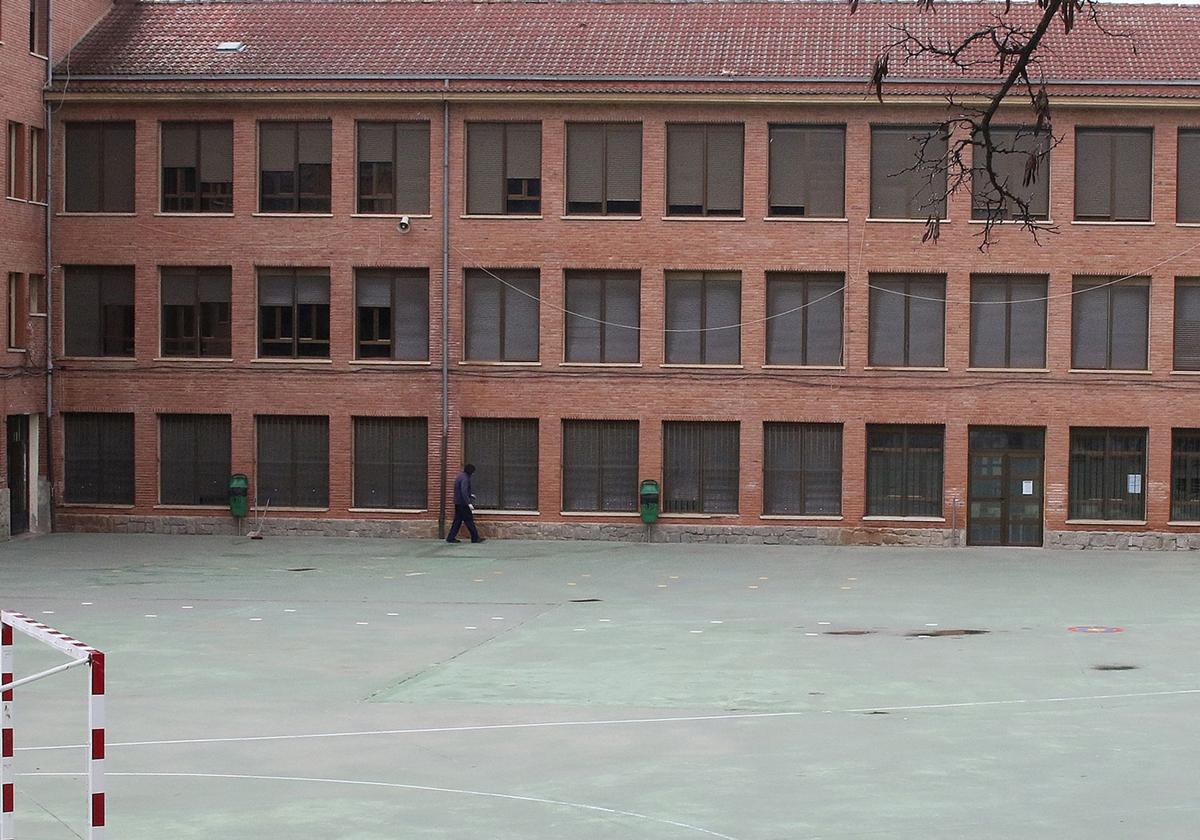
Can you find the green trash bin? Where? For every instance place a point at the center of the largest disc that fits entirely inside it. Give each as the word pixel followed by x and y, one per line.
pixel 239 498
pixel 648 497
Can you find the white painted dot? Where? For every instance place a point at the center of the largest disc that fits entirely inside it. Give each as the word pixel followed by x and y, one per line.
pixel 763 578
pixel 582 575
pixel 812 634
pixel 497 618
pixel 256 619
pixel 85 603
pixel 822 622
pixel 287 610
pixel 673 577
pixel 716 621
pixel 187 607
pixel 931 625
pixel 846 587
pixel 580 629
pixel 470 627
pixel 606 621
pixel 47 612
pixel 695 631
pixel 851 578
pixel 360 623
pixel 393 614
pixel 150 615
pixel 752 586
pixel 477 580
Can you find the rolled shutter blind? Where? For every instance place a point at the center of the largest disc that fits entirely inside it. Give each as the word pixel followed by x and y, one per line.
pixel 410 314
pixel 273 462
pixel 1187 324
pixel 619 464
pixel 624 163
pixel 315 144
pixel 177 458
pixel 81 311
pixel 1038 192
pixel 683 315
pixel 823 337
pixel 374 287
pixel 581 465
pixel 482 447
pixel 83 167
pixel 724 169
pixel 116 454
pixel 824 166
pixel 412 167
pixel 521 316
pixel 584 291
pixel 681 467
pixel 524 150
pixel 372 450
pixel 926 321
pixel 118 167
pixel 519 473
pixel 1132 174
pixel 410 461
pixel 891 153
pixel 585 163
pixel 785 332
pixel 276 288
pixel 719 458
pixel 485 168
pixel 787 166
pixel 311 457
pixel 178 144
pixel 117 286
pixel 723 303
pixel 178 287
pixel 822 459
pixel 483 317
pixel 886 320
pixel 312 287
pixel 989 321
pixel 1187 190
pixel 685 166
pixel 622 295
pixel 1093 173
pixel 278 147
pixel 375 142
pixel 1089 324
pixel 782 468
pixel 930 196
pixel 1027 316
pixel 216 153
pixel 215 284
pixel 1131 313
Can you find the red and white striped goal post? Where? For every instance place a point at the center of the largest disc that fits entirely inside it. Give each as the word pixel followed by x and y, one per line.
pixel 80 654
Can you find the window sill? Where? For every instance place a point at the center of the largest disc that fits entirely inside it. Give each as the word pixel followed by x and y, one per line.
pixel 1006 370
pixel 37 314
pixel 1105 522
pixel 804 367
pixel 800 516
pixel 1185 373
pixel 16 199
pixel 99 505
pixel 293 215
pixel 1099 223
pixel 391 215
pixel 123 360
pixel 907 221
pixel 39 55
pixel 161 506
pixel 193 359
pixel 904 368
pixel 1184 523
pixel 491 512
pixel 904 519
pixel 387 510
pixel 609 364
pixel 704 218
pixel 389 363
pixel 281 361
pixel 470 363
pixel 524 216
pixel 836 219
pixel 17 349
pixel 698 515
pixel 77 214
pixel 1187 225
pixel 195 215
pixel 255 510
pixel 682 365
pixel 612 218
pixel 1121 371
pixel 611 514
pixel 1036 222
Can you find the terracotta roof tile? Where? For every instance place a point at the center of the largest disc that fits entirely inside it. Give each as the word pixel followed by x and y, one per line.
pixel 594 40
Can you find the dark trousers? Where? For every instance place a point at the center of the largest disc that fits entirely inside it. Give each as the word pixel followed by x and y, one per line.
pixel 463 516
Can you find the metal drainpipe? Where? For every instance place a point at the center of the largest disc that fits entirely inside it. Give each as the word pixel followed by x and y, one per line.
pixel 445 311
pixel 49 278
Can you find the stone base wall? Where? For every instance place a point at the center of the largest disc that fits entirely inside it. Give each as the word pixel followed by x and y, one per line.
pixel 1136 541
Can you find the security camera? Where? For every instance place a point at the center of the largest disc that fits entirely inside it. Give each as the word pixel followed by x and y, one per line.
pixel 404 224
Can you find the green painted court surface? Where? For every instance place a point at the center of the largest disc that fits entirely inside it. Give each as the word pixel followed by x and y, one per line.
pixel 530 690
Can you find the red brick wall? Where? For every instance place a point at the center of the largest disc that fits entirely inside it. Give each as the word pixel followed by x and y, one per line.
pixel 958 398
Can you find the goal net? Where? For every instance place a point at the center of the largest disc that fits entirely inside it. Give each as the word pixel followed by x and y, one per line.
pixel 78 654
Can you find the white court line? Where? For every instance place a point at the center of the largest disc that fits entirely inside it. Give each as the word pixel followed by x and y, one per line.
pixel 397 785
pixel 628 721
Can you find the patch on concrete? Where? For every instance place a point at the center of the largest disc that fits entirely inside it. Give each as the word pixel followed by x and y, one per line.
pixel 1114 667
pixel 925 634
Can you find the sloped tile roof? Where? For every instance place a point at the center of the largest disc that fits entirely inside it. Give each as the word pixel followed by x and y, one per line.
pixel 810 40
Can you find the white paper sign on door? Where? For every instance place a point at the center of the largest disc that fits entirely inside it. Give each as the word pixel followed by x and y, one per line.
pixel 1026 488
pixel 1134 481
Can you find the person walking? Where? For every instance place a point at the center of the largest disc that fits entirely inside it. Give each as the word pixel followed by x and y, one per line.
pixel 464 507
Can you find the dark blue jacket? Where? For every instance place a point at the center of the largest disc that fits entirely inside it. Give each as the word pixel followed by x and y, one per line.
pixel 462 489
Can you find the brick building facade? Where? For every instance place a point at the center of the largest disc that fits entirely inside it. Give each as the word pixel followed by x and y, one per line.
pixel 805 369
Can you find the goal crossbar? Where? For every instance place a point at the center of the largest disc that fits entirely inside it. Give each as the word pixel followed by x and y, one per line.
pixel 80 654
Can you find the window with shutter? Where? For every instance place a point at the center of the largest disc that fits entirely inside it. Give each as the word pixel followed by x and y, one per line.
pixel 1008 321
pixel 904 470
pixel 1185 475
pixel 807 169
pixel 393 168
pixel 1187 182
pixel 1113 173
pixel 193 459
pixel 196 311
pixel 295 167
pixel 1187 323
pixel 907 320
pixel 604 168
pixel 293 461
pixel 700 467
pixel 804 312
pixel 703 317
pixel 599 464
pixel 197 167
pixel 1013 147
pixel 504 168
pixel 704 169
pixel 393 313
pixel 293 312
pixel 1107 474
pixel 908 179
pixel 1110 323
pixel 602 317
pixel 505 455
pixel 99 167
pixel 98 458
pixel 17 181
pixel 98 310
pixel 802 469
pixel 391 462
pixel 501 315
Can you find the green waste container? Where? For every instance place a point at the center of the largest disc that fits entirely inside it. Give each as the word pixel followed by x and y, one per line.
pixel 239 499
pixel 648 497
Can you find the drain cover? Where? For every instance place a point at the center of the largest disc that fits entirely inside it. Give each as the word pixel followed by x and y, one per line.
pixel 849 632
pixel 1114 667
pixel 948 632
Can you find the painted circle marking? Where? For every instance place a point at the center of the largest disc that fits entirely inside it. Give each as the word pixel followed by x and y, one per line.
pixel 1095 628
